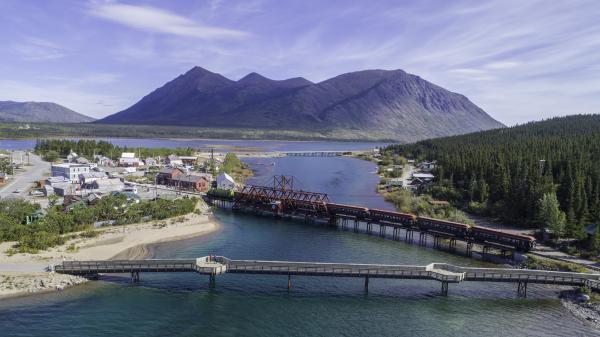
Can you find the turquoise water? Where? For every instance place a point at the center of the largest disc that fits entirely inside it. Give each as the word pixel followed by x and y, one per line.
pixel 243 305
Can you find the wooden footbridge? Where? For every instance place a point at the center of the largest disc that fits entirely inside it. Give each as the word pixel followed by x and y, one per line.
pixel 441 272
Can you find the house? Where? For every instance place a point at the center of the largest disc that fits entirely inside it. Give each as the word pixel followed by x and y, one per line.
pixel 34 216
pixel 165 176
pixel 151 162
pixel 64 190
pixel 104 161
pixel 424 177
pixel 191 182
pixel 188 160
pixel 128 159
pixel 58 180
pixel 72 156
pixel 130 196
pixel 427 166
pixel 81 160
pixel 69 170
pixel 225 182
pixel 173 161
pixel 395 182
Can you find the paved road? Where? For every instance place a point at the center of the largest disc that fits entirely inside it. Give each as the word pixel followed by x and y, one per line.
pixel 25 179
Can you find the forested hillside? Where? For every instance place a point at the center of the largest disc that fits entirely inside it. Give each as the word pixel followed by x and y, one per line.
pixel 515 173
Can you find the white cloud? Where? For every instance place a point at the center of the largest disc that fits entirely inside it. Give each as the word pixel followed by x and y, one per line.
pixel 36 49
pixel 152 19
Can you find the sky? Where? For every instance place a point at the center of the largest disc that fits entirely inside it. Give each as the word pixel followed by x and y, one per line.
pixel 518 60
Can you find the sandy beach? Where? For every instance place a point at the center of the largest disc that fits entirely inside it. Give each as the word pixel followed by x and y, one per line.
pixel 24 273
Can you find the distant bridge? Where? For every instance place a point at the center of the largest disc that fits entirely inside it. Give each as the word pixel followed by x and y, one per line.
pixel 317 153
pixel 441 272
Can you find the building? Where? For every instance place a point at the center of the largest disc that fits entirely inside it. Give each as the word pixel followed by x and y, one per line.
pixel 81 160
pixel 165 176
pixel 225 182
pixel 69 171
pixel 104 161
pixel 174 161
pixel 424 177
pixel 71 157
pixel 190 182
pixel 188 160
pixel 151 162
pixel 427 166
pixel 105 186
pixel 128 159
pixel 90 177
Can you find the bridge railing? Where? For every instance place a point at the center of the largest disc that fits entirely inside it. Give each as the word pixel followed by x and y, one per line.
pixel 124 265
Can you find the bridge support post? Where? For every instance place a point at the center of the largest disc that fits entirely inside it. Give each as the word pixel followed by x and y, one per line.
pixel 381 230
pixel 212 280
pixel 135 277
pixel 367 283
pixel 469 249
pixel 289 282
pixel 522 288
pixel 356 224
pixel 452 244
pixel 423 238
pixel 444 288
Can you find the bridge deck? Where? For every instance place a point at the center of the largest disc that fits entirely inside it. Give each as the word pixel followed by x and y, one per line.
pixel 436 271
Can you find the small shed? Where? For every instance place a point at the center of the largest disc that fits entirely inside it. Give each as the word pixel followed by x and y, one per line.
pixel 225 182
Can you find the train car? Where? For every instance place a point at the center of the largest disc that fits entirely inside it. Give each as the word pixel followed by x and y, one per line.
pixel 393 217
pixel 355 211
pixel 459 230
pixel 520 242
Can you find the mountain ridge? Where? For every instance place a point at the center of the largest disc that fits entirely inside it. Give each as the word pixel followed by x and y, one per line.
pixel 395 103
pixel 39 112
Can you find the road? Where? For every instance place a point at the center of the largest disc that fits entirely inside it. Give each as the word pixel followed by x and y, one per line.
pixel 23 180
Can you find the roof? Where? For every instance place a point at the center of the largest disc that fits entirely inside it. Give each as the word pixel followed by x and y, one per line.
pixel 190 178
pixel 69 165
pixel 423 175
pixel 93 174
pixel 109 182
pixel 225 176
pixel 128 155
pixel 168 170
pixel 188 158
pixel 172 157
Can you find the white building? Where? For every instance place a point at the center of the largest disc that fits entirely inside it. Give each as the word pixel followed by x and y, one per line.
pixel 423 176
pixel 69 170
pixel 174 161
pixel 225 182
pixel 128 159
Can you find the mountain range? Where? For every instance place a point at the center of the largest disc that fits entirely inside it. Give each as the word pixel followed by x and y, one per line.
pixel 39 112
pixel 391 103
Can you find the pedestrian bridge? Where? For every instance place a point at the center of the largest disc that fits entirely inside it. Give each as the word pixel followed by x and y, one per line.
pixel 441 272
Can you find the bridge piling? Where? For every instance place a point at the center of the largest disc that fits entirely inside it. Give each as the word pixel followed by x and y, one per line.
pixel 135 277
pixel 444 288
pixel 289 282
pixel 367 283
pixel 356 224
pixel 522 289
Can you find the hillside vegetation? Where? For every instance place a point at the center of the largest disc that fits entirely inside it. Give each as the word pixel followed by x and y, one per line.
pixel 542 174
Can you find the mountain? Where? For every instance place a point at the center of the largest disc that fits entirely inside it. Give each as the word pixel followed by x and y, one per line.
pixel 39 112
pixel 391 103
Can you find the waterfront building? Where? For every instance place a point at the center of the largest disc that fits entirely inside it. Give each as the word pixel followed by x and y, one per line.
pixel 190 182
pixel 166 175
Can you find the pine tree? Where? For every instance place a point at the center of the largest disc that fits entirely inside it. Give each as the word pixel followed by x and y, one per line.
pixel 550 216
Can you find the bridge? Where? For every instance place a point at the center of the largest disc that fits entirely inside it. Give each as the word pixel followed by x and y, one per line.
pixel 441 272
pixel 317 153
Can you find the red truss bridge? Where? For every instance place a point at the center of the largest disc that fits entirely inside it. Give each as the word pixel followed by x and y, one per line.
pixel 283 200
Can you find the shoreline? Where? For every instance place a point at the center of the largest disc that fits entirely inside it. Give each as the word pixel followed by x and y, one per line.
pixel 24 274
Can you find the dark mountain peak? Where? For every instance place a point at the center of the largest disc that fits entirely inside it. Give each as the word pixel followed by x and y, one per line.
pixel 393 103
pixel 254 78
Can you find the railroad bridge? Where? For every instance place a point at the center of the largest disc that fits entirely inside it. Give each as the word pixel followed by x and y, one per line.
pixel 283 200
pixel 440 272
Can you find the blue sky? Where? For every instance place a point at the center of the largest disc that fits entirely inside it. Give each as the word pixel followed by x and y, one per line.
pixel 518 60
